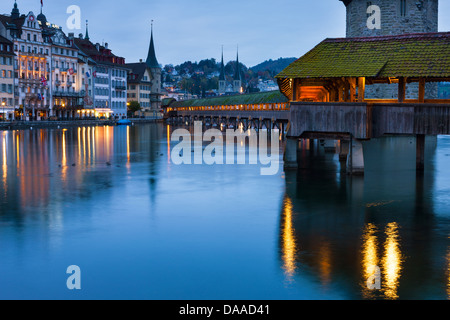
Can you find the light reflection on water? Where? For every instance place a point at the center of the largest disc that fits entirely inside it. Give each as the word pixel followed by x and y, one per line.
pixel 289 245
pixel 110 200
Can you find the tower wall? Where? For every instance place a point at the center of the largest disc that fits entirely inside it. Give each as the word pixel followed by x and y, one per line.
pixel 394 22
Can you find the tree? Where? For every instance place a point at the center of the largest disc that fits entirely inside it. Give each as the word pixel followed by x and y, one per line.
pixel 133 107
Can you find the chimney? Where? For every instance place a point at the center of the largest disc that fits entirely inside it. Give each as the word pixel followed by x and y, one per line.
pixel 140 60
pixel 71 35
pixel 106 45
pixel 97 45
pixel 80 36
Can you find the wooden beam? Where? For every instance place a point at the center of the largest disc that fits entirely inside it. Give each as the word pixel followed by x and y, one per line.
pixel 421 90
pixel 361 89
pixel 294 90
pixel 347 97
pixel 401 89
pixel 420 152
pixel 352 82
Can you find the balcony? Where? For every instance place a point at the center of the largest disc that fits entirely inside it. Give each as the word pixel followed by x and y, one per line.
pixel 59 93
pixel 32 54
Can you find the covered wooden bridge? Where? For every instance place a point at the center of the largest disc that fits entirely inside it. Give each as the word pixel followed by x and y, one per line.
pixel 326 89
pixel 256 110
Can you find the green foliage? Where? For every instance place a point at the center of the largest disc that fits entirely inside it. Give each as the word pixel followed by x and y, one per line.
pixel 134 106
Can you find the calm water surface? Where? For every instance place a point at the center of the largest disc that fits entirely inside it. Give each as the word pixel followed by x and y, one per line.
pixel 109 200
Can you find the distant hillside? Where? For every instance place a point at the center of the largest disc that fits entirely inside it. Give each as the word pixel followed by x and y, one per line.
pixel 275 66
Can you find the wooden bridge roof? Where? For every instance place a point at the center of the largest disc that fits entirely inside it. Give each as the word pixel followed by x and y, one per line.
pixel 424 55
pixel 241 99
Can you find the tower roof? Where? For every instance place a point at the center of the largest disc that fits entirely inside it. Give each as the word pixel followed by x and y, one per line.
pixel 15 14
pixel 222 70
pixel 237 73
pixel 346 2
pixel 87 31
pixel 42 18
pixel 152 62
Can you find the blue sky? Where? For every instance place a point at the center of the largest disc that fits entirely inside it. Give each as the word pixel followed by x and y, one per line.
pixel 195 30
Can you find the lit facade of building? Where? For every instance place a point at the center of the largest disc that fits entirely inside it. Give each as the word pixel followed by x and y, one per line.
pixel 67 96
pixel 32 48
pixel 6 79
pixel 59 76
pixel 144 83
pixel 107 75
pixel 140 85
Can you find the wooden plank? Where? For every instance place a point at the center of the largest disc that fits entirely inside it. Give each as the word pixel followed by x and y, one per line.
pixel 401 90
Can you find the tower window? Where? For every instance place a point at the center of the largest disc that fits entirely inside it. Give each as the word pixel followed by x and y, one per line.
pixel 369 4
pixel 403 8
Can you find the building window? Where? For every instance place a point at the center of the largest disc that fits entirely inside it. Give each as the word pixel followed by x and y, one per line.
pixel 403 8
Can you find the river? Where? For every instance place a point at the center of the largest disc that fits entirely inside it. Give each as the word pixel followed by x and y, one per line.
pixel 111 201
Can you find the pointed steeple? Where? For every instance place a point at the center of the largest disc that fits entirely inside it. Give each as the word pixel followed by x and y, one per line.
pixel 237 73
pixel 15 14
pixel 87 31
pixel 152 62
pixel 222 69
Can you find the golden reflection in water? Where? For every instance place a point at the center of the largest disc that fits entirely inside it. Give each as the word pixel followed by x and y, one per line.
pixel 5 161
pixel 128 144
pixel 64 157
pixel 88 136
pixel 94 132
pixel 289 246
pixel 79 144
pixel 325 263
pixel 84 145
pixel 392 261
pixel 369 255
pixel 168 144
pixel 17 152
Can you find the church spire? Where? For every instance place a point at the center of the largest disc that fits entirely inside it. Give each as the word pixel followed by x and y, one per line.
pixel 237 74
pixel 222 69
pixel 87 31
pixel 152 62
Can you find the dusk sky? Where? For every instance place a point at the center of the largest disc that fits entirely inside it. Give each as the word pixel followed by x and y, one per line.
pixel 195 30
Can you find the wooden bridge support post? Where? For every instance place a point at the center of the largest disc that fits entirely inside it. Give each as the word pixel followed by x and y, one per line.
pixel 291 153
pixel 355 160
pixel 401 90
pixel 344 150
pixel 420 152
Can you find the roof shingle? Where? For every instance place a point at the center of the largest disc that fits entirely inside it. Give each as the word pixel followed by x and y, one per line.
pixel 411 55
